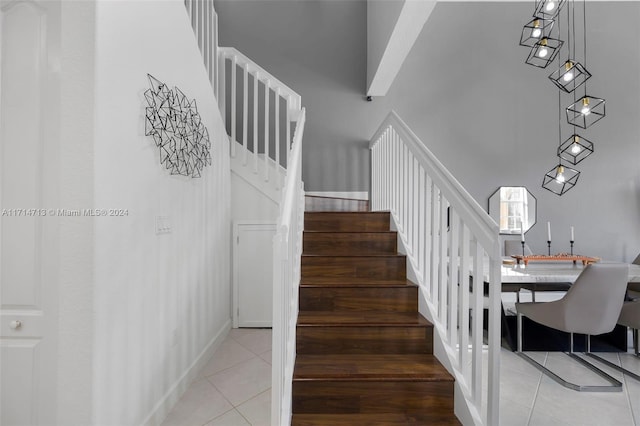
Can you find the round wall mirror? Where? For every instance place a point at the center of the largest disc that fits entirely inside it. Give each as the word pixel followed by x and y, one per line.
pixel 513 208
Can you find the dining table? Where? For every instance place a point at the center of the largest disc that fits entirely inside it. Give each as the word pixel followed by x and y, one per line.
pixel 552 276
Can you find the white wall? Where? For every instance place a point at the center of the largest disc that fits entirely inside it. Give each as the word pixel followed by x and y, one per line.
pixel 76 234
pixel 248 203
pixel 160 300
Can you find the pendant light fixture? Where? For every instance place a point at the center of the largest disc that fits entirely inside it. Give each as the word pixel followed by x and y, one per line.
pixel 575 149
pixel 536 30
pixel 548 9
pixel 544 52
pixel 586 111
pixel 570 76
pixel 542 35
pixel 589 109
pixel 560 179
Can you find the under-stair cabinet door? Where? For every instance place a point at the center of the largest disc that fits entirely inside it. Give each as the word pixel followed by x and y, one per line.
pixel 253 273
pixel 29 56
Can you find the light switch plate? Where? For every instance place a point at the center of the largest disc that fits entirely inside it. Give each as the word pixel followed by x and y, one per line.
pixel 163 225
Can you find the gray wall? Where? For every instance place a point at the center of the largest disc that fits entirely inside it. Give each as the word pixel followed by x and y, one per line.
pixel 492 120
pixel 465 90
pixel 318 48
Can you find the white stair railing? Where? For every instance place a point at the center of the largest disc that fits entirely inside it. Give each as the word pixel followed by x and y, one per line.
pixel 258 110
pixel 454 249
pixel 287 250
pixel 204 21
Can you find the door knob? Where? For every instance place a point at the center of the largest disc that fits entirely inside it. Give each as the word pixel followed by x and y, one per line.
pixel 15 324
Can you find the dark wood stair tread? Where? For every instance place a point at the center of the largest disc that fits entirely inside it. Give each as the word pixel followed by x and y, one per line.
pixel 379 284
pixel 332 256
pixel 369 419
pixel 353 281
pixel 363 319
pixel 383 367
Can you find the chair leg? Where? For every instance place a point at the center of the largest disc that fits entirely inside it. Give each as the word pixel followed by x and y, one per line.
pixel 616 386
pixel 617 367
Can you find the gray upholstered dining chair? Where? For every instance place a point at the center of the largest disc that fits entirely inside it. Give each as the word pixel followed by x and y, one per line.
pixel 591 306
pixel 629 317
pixel 633 289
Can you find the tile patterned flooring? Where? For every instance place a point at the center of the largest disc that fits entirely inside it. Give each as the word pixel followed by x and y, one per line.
pixel 234 389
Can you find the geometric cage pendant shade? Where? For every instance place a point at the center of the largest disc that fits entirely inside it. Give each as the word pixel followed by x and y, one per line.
pixel 570 76
pixel 575 149
pixel 544 52
pixel 560 179
pixel 548 9
pixel 586 111
pixel 536 30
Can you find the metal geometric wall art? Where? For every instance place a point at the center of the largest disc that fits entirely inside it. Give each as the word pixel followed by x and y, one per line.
pixel 177 130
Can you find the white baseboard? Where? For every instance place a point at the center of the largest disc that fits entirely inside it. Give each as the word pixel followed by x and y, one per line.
pixel 354 195
pixel 175 392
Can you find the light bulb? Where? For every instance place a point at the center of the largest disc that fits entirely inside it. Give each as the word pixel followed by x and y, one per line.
pixel 568 76
pixel 536 33
pixel 575 148
pixel 585 110
pixel 560 174
pixel 543 52
pixel 550 5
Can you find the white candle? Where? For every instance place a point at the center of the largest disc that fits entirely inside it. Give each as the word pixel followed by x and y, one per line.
pixel 572 239
pixel 521 233
pixel 548 231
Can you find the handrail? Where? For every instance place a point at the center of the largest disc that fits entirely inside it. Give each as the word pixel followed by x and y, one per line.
pixel 449 240
pixel 287 248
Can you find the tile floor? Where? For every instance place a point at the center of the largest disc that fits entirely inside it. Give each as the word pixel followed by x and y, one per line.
pixel 234 389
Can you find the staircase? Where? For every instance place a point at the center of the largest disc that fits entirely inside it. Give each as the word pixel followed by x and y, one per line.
pixel 364 353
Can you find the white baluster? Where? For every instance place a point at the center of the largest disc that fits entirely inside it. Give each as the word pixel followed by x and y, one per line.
pixel 234 63
pixel 288 131
pixel 277 135
pixel 245 113
pixel 442 276
pixel 267 85
pixel 256 97
pixel 464 301
pixel 222 85
pixel 435 237
pixel 476 323
pixel 454 256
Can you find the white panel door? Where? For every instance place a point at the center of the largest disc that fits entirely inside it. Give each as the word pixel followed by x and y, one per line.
pixel 253 274
pixel 29 52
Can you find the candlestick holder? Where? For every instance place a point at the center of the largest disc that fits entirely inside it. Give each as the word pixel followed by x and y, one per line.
pixel 549 247
pixel 522 242
pixel 571 247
